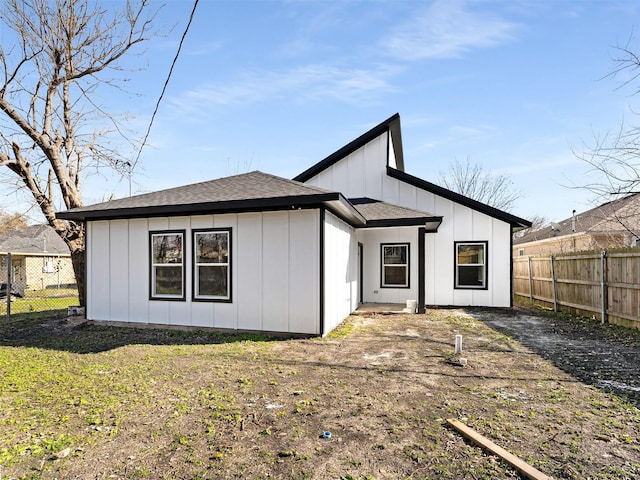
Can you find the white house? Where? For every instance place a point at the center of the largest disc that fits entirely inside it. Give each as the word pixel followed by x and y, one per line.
pixel 258 252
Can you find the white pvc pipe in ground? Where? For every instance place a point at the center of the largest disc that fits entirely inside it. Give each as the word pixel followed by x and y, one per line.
pixel 458 344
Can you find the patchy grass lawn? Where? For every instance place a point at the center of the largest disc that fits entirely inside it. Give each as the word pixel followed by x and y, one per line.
pixel 41 303
pixel 90 402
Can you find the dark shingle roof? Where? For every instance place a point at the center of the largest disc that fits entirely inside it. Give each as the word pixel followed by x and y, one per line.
pixel 383 214
pixel 620 215
pixel 251 191
pixel 35 239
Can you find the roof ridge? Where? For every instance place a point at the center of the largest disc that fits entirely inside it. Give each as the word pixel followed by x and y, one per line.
pixel 294 182
pixel 353 145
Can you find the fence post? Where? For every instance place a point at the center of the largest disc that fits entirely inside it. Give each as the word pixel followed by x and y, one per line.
pixel 553 284
pixel 603 286
pixel 530 280
pixel 9 281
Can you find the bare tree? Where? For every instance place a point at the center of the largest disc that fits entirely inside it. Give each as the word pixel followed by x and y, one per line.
pixel 11 221
pixel 472 180
pixel 53 126
pixel 614 161
pixel 614 157
pixel 537 223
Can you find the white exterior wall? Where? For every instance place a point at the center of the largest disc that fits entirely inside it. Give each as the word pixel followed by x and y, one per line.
pixel 340 271
pixel 275 278
pixel 363 174
pixel 359 174
pixel 372 239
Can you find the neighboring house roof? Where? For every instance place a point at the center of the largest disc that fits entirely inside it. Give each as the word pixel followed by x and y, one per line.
pixel 382 214
pixel 34 239
pixel 251 191
pixel 391 124
pixel 618 216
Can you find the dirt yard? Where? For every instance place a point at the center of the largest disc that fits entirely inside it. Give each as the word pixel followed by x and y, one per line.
pixel 89 402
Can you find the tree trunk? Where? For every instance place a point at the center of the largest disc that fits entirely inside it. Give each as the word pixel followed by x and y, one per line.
pixel 73 233
pixel 78 260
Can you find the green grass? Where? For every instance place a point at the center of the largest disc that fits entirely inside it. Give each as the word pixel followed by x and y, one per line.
pixel 35 303
pixel 54 398
pixel 150 403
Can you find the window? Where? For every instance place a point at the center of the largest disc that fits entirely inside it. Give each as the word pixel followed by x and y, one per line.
pixel 471 265
pixel 49 265
pixel 521 252
pixel 211 264
pixel 167 265
pixel 395 265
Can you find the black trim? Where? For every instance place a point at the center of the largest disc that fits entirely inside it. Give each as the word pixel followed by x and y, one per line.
pixel 195 231
pixel 413 217
pixel 455 265
pixel 321 312
pixel 421 270
pixel 184 266
pixel 227 206
pixel 397 244
pixel 515 222
pixel 86 274
pixel 511 283
pixel 361 273
pixel 390 124
pixel 402 222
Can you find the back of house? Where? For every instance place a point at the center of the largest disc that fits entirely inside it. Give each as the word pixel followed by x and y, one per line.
pixel 258 252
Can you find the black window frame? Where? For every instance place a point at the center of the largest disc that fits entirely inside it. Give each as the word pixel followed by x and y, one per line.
pixel 152 266
pixel 229 264
pixel 485 265
pixel 408 264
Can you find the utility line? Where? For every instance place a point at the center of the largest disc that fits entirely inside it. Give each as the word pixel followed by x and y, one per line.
pixel 164 88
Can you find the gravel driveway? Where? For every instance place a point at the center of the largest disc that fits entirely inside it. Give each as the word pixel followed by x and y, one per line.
pixel 605 356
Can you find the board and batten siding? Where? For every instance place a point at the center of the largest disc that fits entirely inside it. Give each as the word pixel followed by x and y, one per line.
pixel 275 275
pixel 361 171
pixel 340 271
pixel 372 240
pixel 363 174
pixel 459 224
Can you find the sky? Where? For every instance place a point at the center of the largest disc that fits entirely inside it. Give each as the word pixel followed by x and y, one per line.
pixel 515 85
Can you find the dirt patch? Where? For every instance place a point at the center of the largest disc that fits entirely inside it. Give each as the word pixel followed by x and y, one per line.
pixel 370 402
pixel 606 356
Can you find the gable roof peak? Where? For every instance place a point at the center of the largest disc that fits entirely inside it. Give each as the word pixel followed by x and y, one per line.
pixel 391 125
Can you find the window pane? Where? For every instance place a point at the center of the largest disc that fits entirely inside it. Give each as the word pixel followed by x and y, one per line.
pixel 396 254
pixel 167 248
pixel 471 276
pixel 470 254
pixel 395 275
pixel 212 247
pixel 212 281
pixel 168 281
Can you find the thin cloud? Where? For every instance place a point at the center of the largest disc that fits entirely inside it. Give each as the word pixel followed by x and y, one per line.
pixel 551 163
pixel 205 48
pixel 306 83
pixel 446 29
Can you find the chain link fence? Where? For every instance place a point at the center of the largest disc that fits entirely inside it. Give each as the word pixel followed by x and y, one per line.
pixel 36 285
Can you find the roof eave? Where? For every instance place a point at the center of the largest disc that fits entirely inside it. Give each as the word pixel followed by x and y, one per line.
pixel 431 224
pixel 332 200
pixel 390 124
pixel 343 208
pixel 516 223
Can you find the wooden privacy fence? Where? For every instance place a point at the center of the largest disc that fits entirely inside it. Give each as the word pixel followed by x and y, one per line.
pixel 604 285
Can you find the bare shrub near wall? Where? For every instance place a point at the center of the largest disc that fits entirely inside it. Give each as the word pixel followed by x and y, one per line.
pixel 603 285
pixel 40 285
